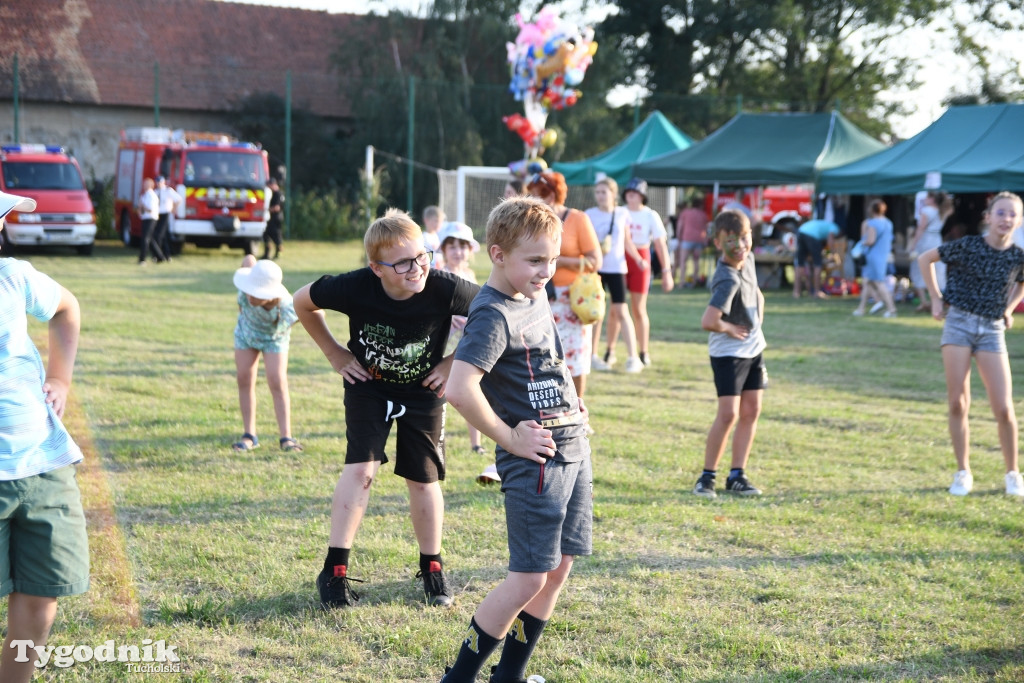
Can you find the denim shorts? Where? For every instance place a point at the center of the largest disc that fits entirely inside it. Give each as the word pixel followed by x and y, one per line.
pixel 44 549
pixel 974 331
pixel 691 246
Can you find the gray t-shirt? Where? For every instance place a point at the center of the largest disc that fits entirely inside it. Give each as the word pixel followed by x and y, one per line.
pixel 734 292
pixel 515 343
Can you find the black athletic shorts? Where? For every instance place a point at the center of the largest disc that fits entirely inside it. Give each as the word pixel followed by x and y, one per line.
pixel 615 283
pixel 735 375
pixel 419 442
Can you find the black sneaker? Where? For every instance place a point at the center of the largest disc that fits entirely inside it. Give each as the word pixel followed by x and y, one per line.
pixel 705 487
pixel 741 487
pixel 435 587
pixel 335 590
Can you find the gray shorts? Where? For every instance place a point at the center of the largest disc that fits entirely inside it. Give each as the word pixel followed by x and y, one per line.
pixel 549 511
pixel 974 331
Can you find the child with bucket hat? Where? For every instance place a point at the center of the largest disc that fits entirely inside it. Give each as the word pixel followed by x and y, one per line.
pixel 457 246
pixel 44 548
pixel 265 318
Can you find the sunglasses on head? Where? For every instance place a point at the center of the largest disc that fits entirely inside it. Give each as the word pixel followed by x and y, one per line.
pixel 538 178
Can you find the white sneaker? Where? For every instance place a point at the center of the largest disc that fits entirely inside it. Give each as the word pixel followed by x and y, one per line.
pixel 1014 484
pixel 489 476
pixel 597 364
pixel 876 308
pixel 963 482
pixel 634 365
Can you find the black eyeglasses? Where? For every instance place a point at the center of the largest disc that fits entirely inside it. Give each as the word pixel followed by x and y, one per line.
pixel 405 265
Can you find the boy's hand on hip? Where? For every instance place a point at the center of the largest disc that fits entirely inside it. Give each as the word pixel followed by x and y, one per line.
pixel 56 392
pixel 737 332
pixel 345 364
pixel 531 441
pixel 438 376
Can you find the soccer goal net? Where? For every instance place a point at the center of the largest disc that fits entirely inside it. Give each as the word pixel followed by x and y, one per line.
pixel 468 194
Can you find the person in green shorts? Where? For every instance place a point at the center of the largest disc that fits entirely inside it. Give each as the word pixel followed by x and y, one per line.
pixel 44 550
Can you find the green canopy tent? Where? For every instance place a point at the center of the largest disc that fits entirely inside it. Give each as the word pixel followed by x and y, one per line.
pixel 763 149
pixel 968 149
pixel 654 137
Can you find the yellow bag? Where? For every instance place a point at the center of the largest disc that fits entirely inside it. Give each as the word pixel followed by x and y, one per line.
pixel 586 296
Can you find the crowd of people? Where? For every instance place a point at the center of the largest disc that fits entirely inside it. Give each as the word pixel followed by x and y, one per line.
pixel 511 356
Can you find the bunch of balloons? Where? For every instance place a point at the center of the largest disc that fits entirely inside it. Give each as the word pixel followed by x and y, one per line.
pixel 548 60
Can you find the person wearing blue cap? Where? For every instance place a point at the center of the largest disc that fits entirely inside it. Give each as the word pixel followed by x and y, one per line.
pixel 811 239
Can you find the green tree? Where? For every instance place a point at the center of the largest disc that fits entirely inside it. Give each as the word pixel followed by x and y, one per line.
pixel 798 55
pixel 315 150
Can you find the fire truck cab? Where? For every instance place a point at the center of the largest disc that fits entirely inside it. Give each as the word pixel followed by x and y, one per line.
pixel 222 183
pixel 64 214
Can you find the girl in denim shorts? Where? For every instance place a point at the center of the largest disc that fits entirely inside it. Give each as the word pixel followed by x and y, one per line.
pixel 984 276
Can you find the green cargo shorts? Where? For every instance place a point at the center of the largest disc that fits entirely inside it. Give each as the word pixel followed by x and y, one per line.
pixel 44 549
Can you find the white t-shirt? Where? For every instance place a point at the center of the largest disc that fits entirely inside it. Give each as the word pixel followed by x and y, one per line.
pixel 645 226
pixel 615 260
pixel 149 205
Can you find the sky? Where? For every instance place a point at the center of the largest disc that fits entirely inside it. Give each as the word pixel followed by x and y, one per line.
pixel 941 72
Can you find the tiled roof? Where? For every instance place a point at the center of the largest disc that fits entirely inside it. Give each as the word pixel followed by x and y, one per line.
pixel 210 54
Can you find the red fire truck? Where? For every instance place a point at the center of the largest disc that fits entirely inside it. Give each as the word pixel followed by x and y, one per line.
pixel 772 206
pixel 222 181
pixel 64 214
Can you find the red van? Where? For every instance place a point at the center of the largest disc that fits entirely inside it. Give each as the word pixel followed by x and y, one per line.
pixel 64 214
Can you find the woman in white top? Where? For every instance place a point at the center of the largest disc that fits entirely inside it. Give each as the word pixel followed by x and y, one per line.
pixel 611 223
pixel 927 236
pixel 646 230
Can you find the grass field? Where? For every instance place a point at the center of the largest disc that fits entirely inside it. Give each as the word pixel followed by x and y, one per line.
pixel 854 565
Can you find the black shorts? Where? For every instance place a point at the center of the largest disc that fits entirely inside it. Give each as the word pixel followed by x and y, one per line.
pixel 615 283
pixel 808 247
pixel 419 442
pixel 734 375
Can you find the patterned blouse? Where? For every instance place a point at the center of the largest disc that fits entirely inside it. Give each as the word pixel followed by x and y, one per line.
pixel 978 277
pixel 262 329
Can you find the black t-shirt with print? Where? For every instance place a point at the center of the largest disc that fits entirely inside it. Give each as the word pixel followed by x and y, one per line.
pixel 978 277
pixel 398 342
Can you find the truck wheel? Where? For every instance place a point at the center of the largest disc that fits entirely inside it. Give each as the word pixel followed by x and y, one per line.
pixel 5 243
pixel 177 246
pixel 85 249
pixel 126 231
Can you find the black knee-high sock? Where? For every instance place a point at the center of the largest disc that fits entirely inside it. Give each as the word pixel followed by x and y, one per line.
pixel 519 645
pixel 475 650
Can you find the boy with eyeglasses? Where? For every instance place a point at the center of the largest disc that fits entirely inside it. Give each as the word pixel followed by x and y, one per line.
pixel 399 314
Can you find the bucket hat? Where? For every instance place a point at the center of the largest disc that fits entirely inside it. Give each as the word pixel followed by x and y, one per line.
pixel 262 281
pixel 459 231
pixel 637 185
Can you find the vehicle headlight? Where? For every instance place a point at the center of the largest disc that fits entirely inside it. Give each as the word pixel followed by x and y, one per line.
pixel 84 218
pixel 24 217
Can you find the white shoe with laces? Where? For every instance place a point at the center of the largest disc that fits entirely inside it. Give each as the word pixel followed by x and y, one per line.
pixel 1014 484
pixel 599 365
pixel 963 482
pixel 634 365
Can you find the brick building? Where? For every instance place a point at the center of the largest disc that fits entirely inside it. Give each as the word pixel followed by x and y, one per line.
pixel 89 68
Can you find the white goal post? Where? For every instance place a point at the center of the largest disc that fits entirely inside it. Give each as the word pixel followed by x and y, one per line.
pixel 468 194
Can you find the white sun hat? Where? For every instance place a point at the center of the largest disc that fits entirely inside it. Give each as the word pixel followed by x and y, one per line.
pixel 459 231
pixel 262 281
pixel 12 202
